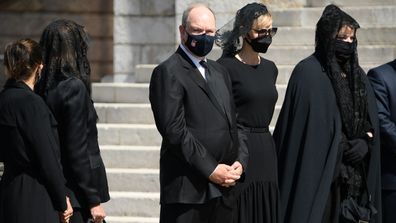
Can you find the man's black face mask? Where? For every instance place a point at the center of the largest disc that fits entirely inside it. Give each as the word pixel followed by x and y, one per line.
pixel 200 45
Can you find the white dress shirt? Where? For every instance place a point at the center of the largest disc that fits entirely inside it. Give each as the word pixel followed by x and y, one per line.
pixel 195 60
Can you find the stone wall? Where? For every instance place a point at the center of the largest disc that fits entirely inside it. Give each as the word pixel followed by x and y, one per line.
pixel 225 11
pixel 27 19
pixel 144 33
pixel 2 72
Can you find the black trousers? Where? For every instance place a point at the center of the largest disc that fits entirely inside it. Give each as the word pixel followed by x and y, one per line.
pixel 389 206
pixel 212 212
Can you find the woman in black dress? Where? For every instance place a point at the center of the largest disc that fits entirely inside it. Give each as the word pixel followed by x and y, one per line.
pixel 65 87
pixel 253 82
pixel 32 188
pixel 327 132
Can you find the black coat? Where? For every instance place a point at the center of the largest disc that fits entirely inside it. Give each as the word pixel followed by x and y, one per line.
pixel 32 187
pixel 383 80
pixel 307 134
pixel 83 167
pixel 198 129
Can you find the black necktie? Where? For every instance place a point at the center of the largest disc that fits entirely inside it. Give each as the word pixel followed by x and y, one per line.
pixel 204 64
pixel 211 84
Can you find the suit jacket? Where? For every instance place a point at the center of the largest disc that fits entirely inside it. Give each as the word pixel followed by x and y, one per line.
pixel 83 167
pixel 383 80
pixel 197 127
pixel 32 186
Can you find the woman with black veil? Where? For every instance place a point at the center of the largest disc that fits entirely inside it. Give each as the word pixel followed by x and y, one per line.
pixel 253 86
pixel 66 88
pixel 327 132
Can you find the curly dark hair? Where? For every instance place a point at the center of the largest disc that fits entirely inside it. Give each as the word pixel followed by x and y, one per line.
pixel 228 39
pixel 64 44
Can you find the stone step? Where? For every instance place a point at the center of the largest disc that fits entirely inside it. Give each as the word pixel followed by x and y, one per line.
pixel 116 219
pixel 352 2
pixel 142 204
pixel 131 134
pixel 124 113
pixel 142 180
pixel 144 71
pixel 123 125
pixel 130 156
pixel 305 36
pixel 138 134
pixel 291 55
pixel 127 116
pixel 120 92
pixel 128 134
pixel 367 16
pixel 100 96
pixel 284 71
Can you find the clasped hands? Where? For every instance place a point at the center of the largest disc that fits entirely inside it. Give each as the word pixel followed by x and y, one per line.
pixel 226 175
pixel 67 214
pixel 97 213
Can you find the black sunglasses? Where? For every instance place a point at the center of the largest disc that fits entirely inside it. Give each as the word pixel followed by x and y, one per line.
pixel 266 32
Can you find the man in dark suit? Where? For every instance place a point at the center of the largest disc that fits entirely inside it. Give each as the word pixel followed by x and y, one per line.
pixel 383 80
pixel 190 96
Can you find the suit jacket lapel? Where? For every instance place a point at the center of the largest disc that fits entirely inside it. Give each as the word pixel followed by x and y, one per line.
pixel 196 76
pixel 222 93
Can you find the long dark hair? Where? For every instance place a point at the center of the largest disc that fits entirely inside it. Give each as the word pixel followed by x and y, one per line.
pixel 65 45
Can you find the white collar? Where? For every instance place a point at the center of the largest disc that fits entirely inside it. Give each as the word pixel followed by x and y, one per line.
pixel 193 58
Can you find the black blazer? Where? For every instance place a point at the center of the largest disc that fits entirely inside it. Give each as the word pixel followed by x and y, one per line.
pixel 83 167
pixel 383 80
pixel 32 186
pixel 198 129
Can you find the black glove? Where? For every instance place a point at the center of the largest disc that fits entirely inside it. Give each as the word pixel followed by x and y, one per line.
pixel 358 149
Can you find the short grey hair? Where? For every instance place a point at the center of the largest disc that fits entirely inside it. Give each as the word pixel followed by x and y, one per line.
pixel 187 11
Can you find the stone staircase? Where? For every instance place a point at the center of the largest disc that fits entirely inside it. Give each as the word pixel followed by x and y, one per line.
pixel 127 134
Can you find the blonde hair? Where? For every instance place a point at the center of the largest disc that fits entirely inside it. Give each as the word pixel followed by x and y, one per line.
pixel 262 20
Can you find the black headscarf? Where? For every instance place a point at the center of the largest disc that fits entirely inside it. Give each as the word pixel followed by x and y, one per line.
pixel 65 46
pixel 350 90
pixel 229 39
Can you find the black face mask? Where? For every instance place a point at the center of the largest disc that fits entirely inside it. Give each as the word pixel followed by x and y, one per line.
pixel 260 44
pixel 200 45
pixel 344 50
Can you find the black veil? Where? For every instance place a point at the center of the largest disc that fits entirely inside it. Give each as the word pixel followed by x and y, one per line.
pixel 229 37
pixel 65 45
pixel 351 95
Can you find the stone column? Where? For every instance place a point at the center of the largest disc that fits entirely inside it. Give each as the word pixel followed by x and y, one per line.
pixel 144 32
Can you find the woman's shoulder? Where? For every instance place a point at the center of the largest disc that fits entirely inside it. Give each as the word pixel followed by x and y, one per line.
pixel 226 61
pixel 308 72
pixel 267 62
pixel 32 102
pixel 71 86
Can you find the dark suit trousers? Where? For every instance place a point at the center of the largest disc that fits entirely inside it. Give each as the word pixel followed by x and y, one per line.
pixel 212 212
pixel 389 206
